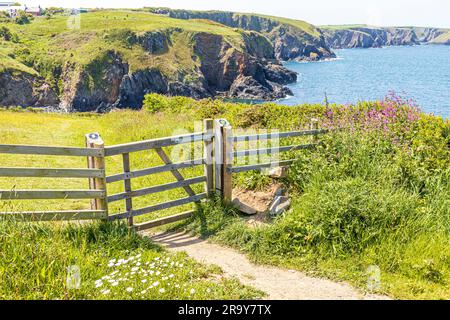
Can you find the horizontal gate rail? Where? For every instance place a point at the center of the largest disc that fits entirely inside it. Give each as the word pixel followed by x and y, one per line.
pixel 51 151
pixel 51 194
pixel 56 215
pixel 158 207
pixel 156 189
pixel 157 143
pixel 163 221
pixel 245 153
pixel 51 173
pixel 154 170
pixel 261 166
pixel 276 135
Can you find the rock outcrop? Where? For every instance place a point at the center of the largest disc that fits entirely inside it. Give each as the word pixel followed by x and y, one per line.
pixel 23 89
pixel 221 70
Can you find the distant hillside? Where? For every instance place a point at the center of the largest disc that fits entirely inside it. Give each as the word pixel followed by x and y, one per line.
pixel 116 57
pixel 291 39
pixel 363 36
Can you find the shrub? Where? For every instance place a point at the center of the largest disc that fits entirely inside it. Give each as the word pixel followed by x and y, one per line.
pixel 154 102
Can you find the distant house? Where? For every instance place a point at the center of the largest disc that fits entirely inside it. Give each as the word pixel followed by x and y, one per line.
pixel 35 11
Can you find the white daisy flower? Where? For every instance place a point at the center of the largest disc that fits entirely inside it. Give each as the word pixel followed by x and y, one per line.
pixel 162 290
pixel 129 289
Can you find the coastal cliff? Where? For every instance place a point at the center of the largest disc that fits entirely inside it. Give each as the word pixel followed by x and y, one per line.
pixel 373 37
pixel 101 68
pixel 291 39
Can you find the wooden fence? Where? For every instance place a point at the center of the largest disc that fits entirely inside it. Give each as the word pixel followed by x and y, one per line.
pixel 218 158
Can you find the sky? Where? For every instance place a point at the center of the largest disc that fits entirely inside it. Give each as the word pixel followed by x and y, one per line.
pixel 431 13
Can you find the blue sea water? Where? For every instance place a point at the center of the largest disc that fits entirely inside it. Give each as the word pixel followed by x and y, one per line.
pixel 418 72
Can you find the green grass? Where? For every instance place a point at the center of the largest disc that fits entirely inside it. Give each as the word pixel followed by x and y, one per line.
pixel 39 261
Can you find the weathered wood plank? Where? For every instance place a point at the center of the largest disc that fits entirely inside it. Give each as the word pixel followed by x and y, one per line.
pixel 270 136
pixel 245 153
pixel 55 215
pixel 154 170
pixel 50 151
pixel 155 189
pixel 156 143
pixel 51 173
pixel 163 221
pixel 127 187
pixel 158 207
pixel 261 166
pixel 50 194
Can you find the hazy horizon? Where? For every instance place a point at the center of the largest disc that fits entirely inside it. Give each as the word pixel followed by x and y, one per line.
pixel 382 13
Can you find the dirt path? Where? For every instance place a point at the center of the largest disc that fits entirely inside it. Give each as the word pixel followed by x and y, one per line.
pixel 279 284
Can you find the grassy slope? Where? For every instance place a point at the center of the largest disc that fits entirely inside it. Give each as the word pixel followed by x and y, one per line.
pixel 300 24
pixel 52 42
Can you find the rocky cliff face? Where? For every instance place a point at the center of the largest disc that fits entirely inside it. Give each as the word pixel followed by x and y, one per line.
pixel 365 37
pixel 23 89
pixel 221 70
pixel 289 42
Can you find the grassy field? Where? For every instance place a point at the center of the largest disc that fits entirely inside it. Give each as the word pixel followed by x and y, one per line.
pixel 375 195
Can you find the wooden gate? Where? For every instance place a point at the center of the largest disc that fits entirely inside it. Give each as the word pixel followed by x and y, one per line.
pixel 217 158
pixel 157 145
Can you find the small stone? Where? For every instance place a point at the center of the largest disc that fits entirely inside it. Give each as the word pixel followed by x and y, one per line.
pixel 273 206
pixel 244 208
pixel 283 207
pixel 279 191
pixel 278 172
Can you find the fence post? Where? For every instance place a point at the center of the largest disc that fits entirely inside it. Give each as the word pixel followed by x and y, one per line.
pixel 93 140
pixel 228 157
pixel 315 126
pixel 208 125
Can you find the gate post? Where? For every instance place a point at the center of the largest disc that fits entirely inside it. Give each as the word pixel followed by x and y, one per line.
pixel 228 157
pixel 93 140
pixel 218 153
pixel 208 126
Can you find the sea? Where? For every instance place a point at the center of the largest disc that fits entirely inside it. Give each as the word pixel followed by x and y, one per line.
pixel 421 73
